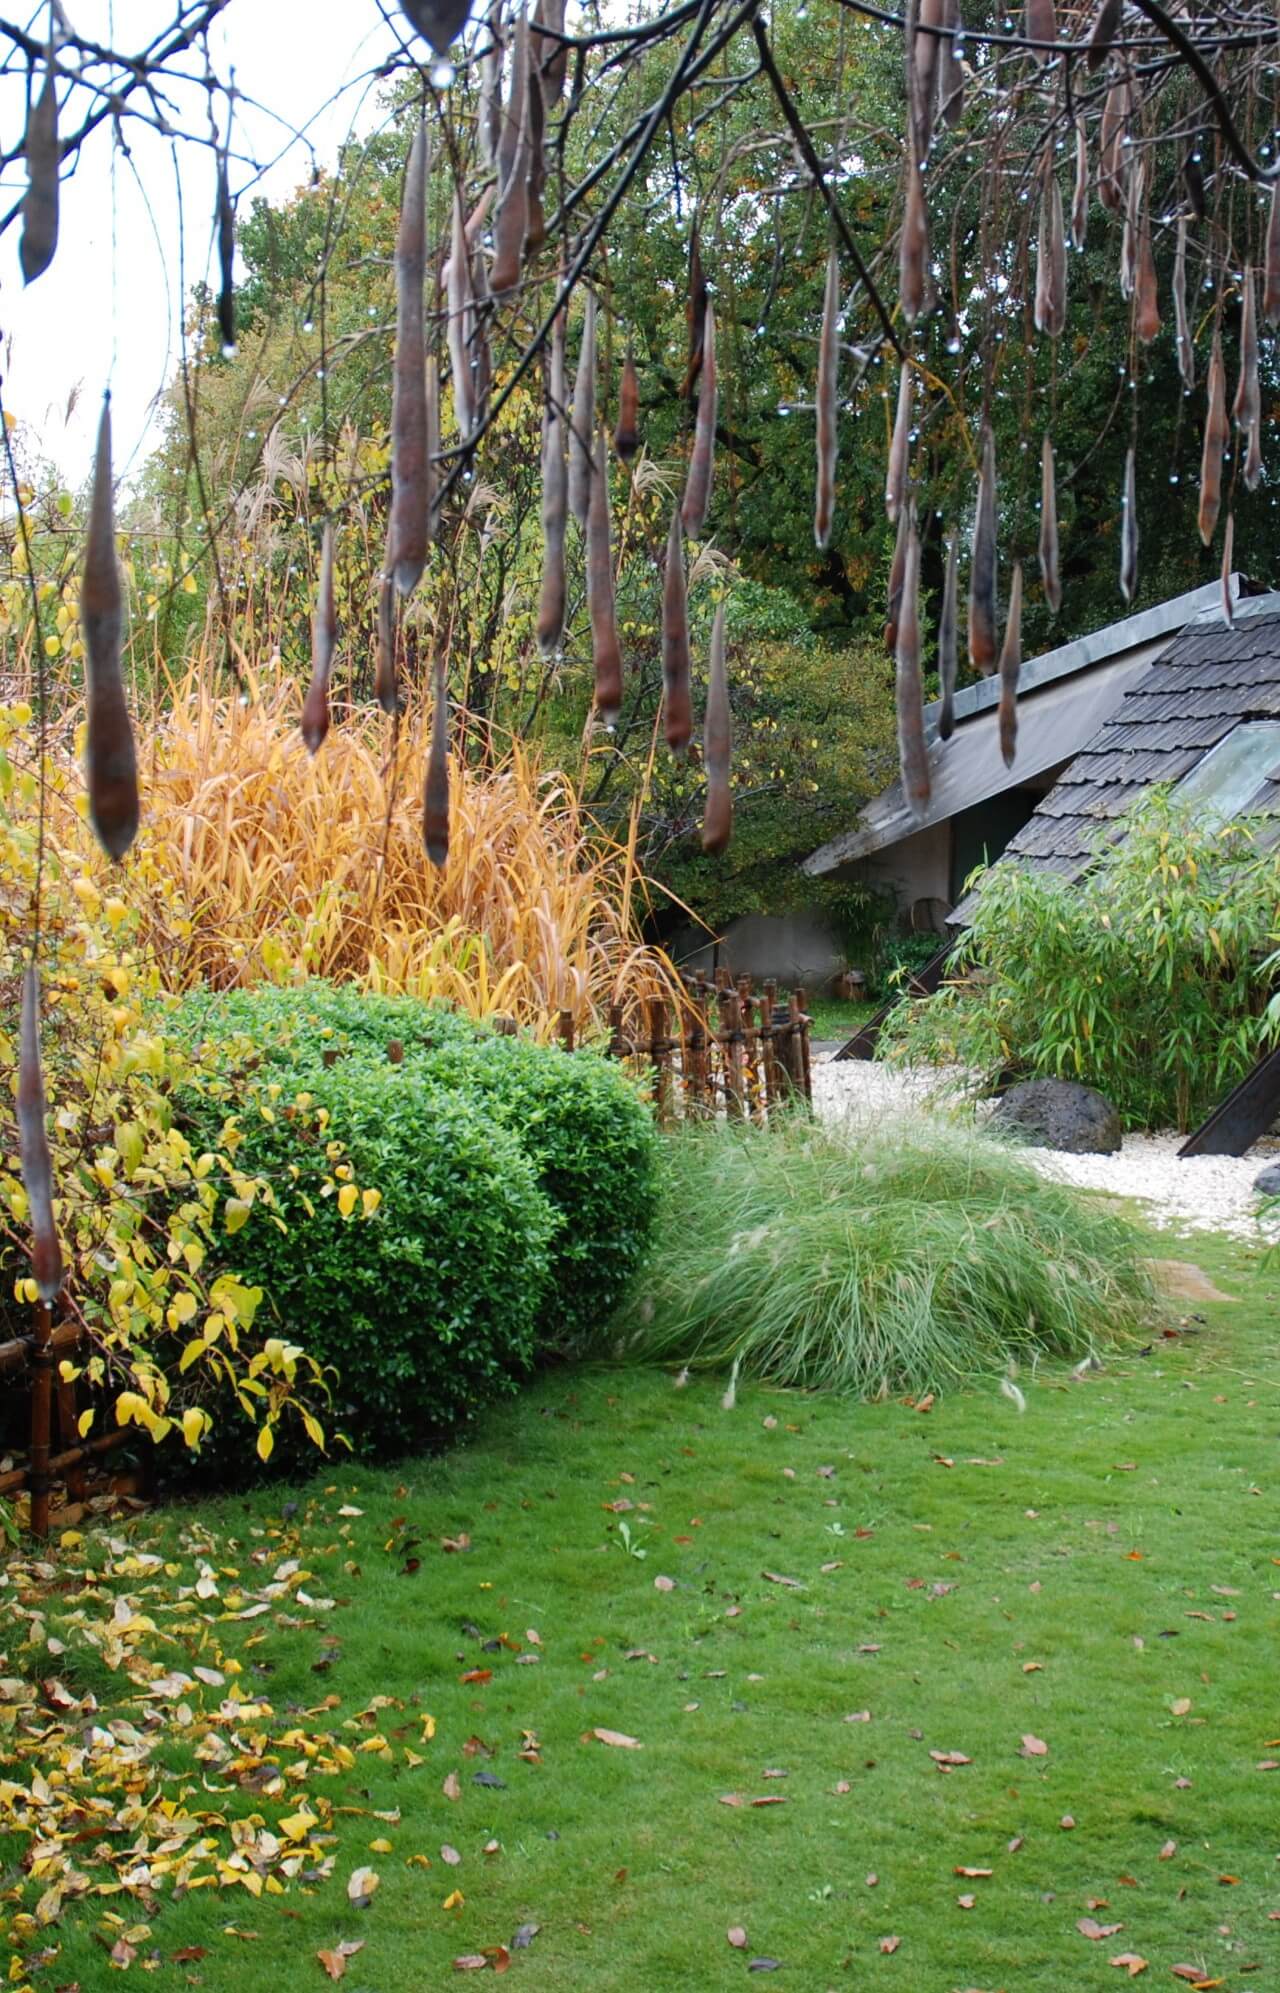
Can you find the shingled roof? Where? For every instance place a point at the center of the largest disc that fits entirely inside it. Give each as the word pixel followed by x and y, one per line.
pixel 1209 680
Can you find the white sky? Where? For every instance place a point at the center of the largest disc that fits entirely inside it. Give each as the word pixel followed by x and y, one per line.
pixel 108 309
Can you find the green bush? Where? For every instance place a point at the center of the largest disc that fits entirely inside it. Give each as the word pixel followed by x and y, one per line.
pixel 1145 979
pixel 902 1261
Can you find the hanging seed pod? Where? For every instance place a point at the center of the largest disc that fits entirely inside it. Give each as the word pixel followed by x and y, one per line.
pixel 1228 548
pixel 385 688
pixel 950 67
pixel 511 216
pixel 1050 573
pixel 441 21
pixel 1041 24
pixel 1129 238
pixel 1103 32
pixel 606 654
pixel 697 490
pixel 536 158
pixel 43 162
pixel 1011 670
pixel 1193 181
pixel 1115 118
pixel 913 755
pixel 1051 264
pixel 897 576
pixel 409 523
pixel 583 426
pixel 324 638
pixel 226 260
pixel 895 484
pixel 1271 263
pixel 948 632
pixel 982 562
pixel 481 356
pixel 33 1146
pixel 626 437
pixel 1247 406
pixel 433 442
pixel 458 297
pixel 489 115
pixel 1216 437
pixel 1146 317
pixel 111 767
pixel 913 245
pixel 1181 323
pixel 677 705
pixel 1080 196
pixel 717 746
pixel 435 788
pixel 1129 531
pixel 555 500
pixel 550 56
pixel 922 72
pixel 515 112
pixel 695 313
pixel 828 392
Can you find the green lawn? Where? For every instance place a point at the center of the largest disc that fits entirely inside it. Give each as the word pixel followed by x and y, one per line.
pixel 1100 1575
pixel 832 1019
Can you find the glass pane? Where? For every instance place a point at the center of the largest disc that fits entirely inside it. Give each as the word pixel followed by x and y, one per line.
pixel 1234 771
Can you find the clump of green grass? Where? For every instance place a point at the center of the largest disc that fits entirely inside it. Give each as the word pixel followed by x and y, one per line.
pixel 901 1260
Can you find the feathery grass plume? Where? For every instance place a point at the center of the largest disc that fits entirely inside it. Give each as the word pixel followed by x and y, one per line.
pixel 1041 26
pixel 730 1398
pixel 982 561
pixel 717 746
pixel 582 428
pixel 677 702
pixel 1050 572
pixel 948 638
pixel 1247 407
pixel 33 1146
pixel 1115 118
pixel 1129 530
pixel 441 21
pixel 385 687
pixel 555 499
pixel 1271 262
pixel 695 312
pixel 626 437
pixel 459 301
pixel 875 1260
pixel 913 242
pixel 550 56
pixel 897 574
pixel 913 755
pixel 1011 1391
pixel 1216 437
pixel 1181 323
pixel 895 484
pixel 697 489
pixel 606 654
pixel 324 637
pixel 43 155
pixel 111 766
pixel 950 67
pixel 1011 670
pixel 435 787
pixel 409 522
pixel 226 231
pixel 1080 194
pixel 828 403
pixel 511 216
pixel 1103 32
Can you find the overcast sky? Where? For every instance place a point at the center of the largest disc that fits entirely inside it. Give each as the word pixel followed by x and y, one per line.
pixel 107 311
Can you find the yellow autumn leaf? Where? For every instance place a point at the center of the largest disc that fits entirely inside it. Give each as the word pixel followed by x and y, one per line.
pixel 235 1213
pixel 454 1900
pixel 266 1443
pixel 370 1199
pixel 85 1421
pixel 362 1884
pixel 347 1199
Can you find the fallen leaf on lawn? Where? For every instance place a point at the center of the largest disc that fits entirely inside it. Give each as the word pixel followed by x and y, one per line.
pixel 872 1881
pixel 731 1799
pixel 1168 1851
pixel 122 1955
pixel 663 1584
pixel 770 1799
pixel 452 1788
pixel 525 1936
pixel 1067 1822
pixel 950 1758
pixel 890 1944
pixel 533 1636
pixel 362 1886
pixel 1193 1974
pixel 972 1871
pixel 1131 1962
pixel 926 1403
pixel 470 1961
pixel 777 1578
pixel 1268 1765
pixel 966 1902
pixel 764 1965
pixel 619 1739
pixel 1181 1706
pixel 1088 1927
pixel 841 1785
pixel 737 1937
pixel 454 1900
pixel 477 1675
pixel 859 1716
pixel 1032 1668
pixel 1033 1747
pixel 1014 1844
pixel 450 1855
pixel 1228 1881
pixel 456 1543
pixel 499 1957
pixel 335 1961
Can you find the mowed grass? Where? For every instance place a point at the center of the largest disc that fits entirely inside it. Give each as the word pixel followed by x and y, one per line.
pixel 1101 1574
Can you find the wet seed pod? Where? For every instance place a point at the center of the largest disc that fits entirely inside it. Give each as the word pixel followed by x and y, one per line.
pixel 551 57
pixel 606 653
pixel 35 1162
pixel 1050 573
pixel 582 427
pixel 1011 670
pixel 435 790
pixel 511 217
pixel 489 117
pixel 895 484
pixel 555 500
pixel 408 529
pixel 40 204
pixel 948 639
pixel 717 746
pixel 458 297
pixel 324 638
pixel 1146 302
pixel 1080 195
pixel 913 754
pixel 111 767
pixel 913 245
pixel 697 490
pixel 1247 407
pixel 385 688
pixel 1041 26
pixel 1216 437
pixel 626 437
pixel 677 705
pixel 828 391
pixel 923 51
pixel 950 67
pixel 1129 531
pixel 1103 32
pixel 226 260
pixel 1271 263
pixel 982 563
pixel 897 577
pixel 441 21
pixel 1181 323
pixel 695 313
pixel 1193 181
pixel 1115 118
pixel 1051 265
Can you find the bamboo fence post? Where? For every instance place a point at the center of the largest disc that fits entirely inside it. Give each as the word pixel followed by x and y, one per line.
pixel 39 1479
pixel 731 1038
pixel 566 1030
pixel 659 1050
pixel 694 1061
pixel 773 1081
pixel 751 1057
pixel 618 1047
pixel 800 1013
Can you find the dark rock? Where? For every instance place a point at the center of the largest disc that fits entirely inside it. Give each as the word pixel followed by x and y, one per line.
pixel 1061 1114
pixel 1267 1181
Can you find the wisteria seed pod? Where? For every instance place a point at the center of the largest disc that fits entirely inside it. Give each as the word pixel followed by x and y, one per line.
pixel 677 705
pixel 41 202
pixel 324 638
pixel 111 766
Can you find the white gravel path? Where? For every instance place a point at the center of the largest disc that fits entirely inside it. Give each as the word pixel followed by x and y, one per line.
pixel 1205 1193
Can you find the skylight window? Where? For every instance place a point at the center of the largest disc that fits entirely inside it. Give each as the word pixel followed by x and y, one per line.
pixel 1234 771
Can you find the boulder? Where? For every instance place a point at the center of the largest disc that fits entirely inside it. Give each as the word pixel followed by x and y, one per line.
pixel 1267 1181
pixel 1061 1114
